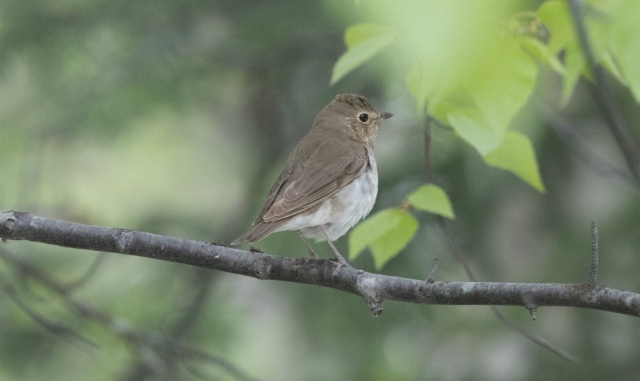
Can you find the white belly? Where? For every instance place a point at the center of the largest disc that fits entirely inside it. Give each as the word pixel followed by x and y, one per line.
pixel 339 213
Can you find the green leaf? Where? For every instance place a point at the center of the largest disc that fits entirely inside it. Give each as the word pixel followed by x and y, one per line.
pixel 517 156
pixel 626 42
pixel 442 110
pixel 498 91
pixel 556 16
pixel 502 87
pixel 542 52
pixel 610 64
pixel 575 66
pixel 416 86
pixel 358 33
pixel 599 28
pixel 359 54
pixel 474 128
pixel 424 87
pixel 431 198
pixel 386 233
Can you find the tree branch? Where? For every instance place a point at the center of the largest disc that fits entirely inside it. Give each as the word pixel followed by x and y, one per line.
pixel 374 288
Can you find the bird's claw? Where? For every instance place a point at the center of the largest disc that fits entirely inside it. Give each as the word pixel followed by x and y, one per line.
pixel 339 264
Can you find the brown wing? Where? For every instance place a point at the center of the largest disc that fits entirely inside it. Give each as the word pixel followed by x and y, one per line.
pixel 273 192
pixel 311 181
pixel 260 229
pixel 306 181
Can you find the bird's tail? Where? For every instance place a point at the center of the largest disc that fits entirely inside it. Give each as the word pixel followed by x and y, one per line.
pixel 257 232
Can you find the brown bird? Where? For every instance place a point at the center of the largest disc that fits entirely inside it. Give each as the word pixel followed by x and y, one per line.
pixel 330 181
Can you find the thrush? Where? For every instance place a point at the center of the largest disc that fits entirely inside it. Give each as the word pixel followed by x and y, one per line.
pixel 330 181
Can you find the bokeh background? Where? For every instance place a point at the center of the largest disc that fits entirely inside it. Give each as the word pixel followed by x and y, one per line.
pixel 174 117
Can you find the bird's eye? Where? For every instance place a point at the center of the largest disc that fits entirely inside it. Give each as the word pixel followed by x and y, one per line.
pixel 363 117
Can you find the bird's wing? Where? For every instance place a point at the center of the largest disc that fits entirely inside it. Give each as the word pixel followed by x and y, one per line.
pixel 309 182
pixel 275 189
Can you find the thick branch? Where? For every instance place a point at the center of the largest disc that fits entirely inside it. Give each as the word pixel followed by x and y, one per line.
pixel 374 288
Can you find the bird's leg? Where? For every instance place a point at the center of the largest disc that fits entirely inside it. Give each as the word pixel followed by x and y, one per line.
pixel 311 252
pixel 341 260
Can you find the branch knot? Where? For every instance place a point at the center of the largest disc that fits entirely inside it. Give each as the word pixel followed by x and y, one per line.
pixel 368 286
pixel 7 222
pixel 123 238
pixel 261 269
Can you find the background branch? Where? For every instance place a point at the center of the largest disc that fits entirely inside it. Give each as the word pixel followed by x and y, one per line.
pixel 457 253
pixel 580 147
pixel 612 116
pixel 160 353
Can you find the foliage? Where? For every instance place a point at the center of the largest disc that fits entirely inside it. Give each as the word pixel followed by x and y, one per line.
pixel 479 97
pixel 431 198
pixel 174 117
pixel 386 233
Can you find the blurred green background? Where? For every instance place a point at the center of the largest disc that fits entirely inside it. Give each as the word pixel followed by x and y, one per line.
pixel 174 117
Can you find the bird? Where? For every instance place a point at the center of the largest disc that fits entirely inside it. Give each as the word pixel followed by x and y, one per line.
pixel 330 180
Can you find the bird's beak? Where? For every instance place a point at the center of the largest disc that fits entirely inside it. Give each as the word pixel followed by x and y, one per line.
pixel 386 115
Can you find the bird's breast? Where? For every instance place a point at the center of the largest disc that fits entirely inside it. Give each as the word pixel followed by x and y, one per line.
pixel 357 199
pixel 340 212
pixel 351 204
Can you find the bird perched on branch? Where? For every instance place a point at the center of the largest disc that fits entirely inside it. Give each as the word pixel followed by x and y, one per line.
pixel 330 181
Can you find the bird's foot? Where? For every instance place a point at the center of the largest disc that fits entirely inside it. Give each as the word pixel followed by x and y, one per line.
pixel 311 252
pixel 339 264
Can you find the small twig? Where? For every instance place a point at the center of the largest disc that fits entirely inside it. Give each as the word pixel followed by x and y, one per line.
pixel 428 166
pixel 432 273
pixel 429 175
pixel 459 255
pixel 189 353
pixel 454 247
pixel 576 142
pixel 201 279
pixel 202 284
pixel 28 271
pixel 439 123
pixel 194 371
pixel 627 143
pixel 51 326
pixel 89 274
pixel 532 310
pixel 593 274
pixel 541 341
